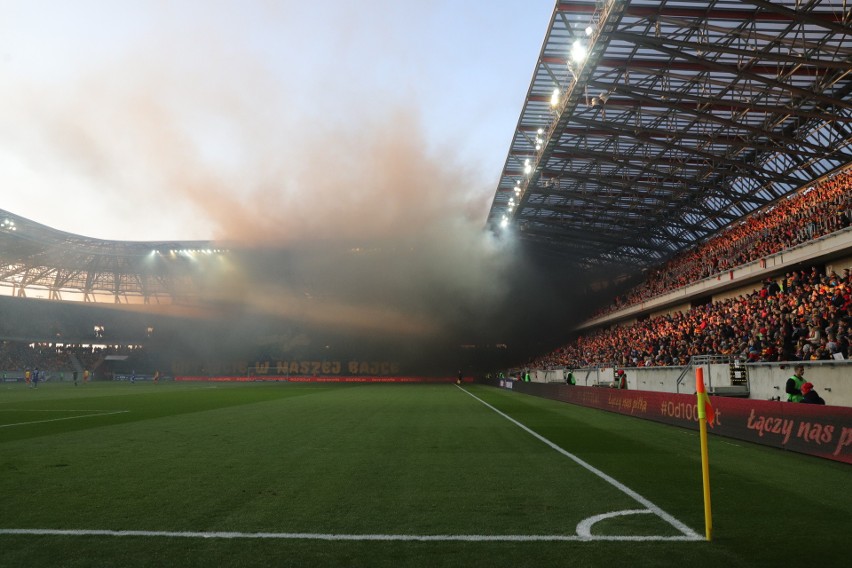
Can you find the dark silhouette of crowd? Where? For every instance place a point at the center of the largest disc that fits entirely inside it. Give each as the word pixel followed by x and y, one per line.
pixel 816 211
pixel 20 356
pixel 15 355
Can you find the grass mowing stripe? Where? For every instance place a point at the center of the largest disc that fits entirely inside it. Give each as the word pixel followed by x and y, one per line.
pixel 687 532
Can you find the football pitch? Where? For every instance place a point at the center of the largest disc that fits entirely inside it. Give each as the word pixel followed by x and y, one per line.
pixel 171 474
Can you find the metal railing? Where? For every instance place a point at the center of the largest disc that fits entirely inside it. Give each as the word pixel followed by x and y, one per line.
pixel 702 361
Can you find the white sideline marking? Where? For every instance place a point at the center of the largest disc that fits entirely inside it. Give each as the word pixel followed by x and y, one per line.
pixel 95 413
pixel 50 410
pixel 331 536
pixel 687 532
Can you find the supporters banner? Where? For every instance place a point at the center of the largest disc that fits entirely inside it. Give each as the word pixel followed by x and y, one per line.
pixel 823 431
pixel 287 379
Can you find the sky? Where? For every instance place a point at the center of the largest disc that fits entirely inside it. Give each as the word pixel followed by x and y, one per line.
pixel 260 121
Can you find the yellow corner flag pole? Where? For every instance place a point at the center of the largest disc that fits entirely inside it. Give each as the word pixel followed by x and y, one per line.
pixel 704 409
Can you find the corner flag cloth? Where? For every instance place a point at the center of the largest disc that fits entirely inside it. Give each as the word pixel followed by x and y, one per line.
pixel 705 409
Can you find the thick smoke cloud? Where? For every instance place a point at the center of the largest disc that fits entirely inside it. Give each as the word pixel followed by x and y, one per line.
pixel 342 217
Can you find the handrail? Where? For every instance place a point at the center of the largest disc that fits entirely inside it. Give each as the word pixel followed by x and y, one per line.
pixel 701 360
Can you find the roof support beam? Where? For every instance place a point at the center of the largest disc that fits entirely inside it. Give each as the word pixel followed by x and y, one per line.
pixel 661 45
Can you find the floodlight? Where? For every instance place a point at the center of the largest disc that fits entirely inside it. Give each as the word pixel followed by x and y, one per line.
pixel 554 98
pixel 589 30
pixel 578 52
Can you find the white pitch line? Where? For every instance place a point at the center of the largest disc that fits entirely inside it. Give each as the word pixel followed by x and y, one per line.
pixel 50 410
pixel 66 418
pixel 687 532
pixel 584 529
pixel 343 537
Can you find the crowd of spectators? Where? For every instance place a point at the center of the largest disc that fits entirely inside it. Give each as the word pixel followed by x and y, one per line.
pixel 816 211
pixel 803 316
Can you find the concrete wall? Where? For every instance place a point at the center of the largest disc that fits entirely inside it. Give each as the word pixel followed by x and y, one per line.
pixel 671 310
pixel 737 292
pixel 839 264
pixel 832 379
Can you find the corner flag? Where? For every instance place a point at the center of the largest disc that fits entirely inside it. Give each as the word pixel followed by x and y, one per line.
pixel 705 414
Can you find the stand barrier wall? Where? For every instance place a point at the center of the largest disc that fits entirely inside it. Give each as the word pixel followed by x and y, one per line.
pixel 832 379
pixel 823 431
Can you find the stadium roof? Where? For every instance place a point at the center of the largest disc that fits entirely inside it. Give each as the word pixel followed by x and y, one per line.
pixel 684 117
pixel 36 257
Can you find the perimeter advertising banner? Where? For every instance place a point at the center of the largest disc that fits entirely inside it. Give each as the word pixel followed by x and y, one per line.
pixel 288 379
pixel 824 431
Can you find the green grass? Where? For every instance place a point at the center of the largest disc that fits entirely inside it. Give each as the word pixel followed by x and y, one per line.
pixel 386 460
